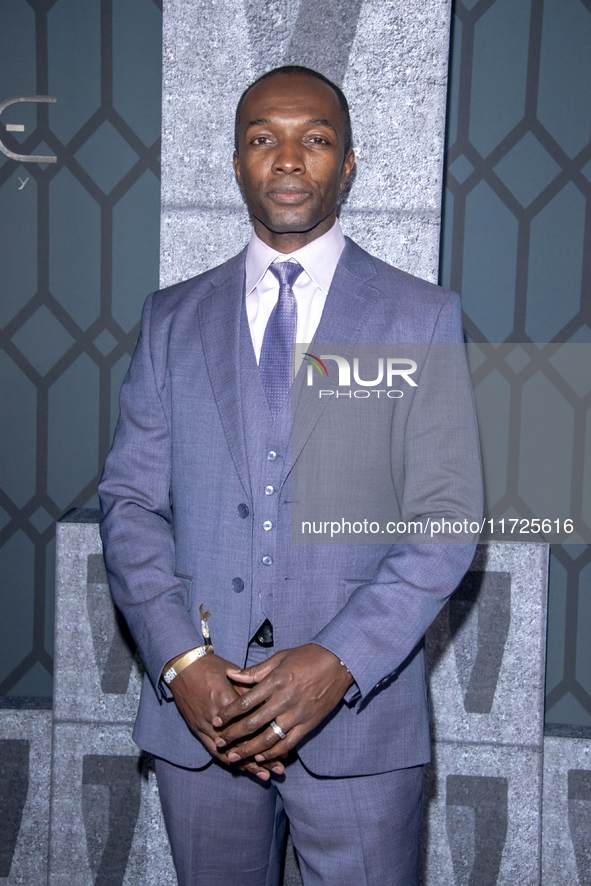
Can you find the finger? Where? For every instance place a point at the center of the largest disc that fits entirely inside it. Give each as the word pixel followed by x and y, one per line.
pixel 242 677
pixel 216 722
pixel 253 674
pixel 262 771
pixel 254 769
pixel 241 706
pixel 272 765
pixel 239 690
pixel 272 757
pixel 267 745
pixel 248 725
pixel 209 746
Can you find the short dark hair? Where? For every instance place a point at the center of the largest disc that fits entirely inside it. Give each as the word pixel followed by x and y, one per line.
pixel 307 72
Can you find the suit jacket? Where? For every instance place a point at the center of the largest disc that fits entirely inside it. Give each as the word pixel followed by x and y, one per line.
pixel 178 469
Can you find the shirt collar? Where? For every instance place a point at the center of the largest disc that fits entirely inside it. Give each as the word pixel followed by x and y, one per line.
pixel 319 258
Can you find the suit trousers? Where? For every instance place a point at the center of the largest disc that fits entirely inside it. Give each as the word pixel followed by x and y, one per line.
pixel 227 828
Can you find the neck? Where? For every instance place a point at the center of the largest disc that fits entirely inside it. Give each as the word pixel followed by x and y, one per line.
pixel 288 241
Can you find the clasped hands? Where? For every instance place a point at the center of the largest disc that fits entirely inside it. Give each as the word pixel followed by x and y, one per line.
pixel 230 710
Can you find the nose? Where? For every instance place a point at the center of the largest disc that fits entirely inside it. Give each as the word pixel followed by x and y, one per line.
pixel 289 158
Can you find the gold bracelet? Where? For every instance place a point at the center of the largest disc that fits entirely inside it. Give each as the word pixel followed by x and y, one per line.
pixel 185 660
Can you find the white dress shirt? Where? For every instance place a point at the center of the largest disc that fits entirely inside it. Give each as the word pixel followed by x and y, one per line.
pixel 318 259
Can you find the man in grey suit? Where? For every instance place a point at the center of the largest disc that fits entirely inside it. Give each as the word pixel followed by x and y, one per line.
pixel 311 698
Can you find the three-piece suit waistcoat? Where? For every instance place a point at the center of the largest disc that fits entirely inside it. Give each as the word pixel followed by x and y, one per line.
pixel 267 449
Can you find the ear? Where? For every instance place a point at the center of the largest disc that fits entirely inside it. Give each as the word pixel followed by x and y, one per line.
pixel 348 164
pixel 236 165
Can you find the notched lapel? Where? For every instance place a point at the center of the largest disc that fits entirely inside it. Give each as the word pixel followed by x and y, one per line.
pixel 349 304
pixel 219 319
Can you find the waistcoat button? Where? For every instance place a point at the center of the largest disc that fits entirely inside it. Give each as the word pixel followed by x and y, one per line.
pixel 271 455
pixel 268 561
pixel 267 525
pixel 269 490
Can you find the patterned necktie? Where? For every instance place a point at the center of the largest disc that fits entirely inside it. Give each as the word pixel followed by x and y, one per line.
pixel 280 334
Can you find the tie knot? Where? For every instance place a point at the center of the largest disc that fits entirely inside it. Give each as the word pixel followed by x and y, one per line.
pixel 287 272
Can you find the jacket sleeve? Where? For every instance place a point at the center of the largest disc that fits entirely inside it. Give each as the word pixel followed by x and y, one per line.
pixel 383 621
pixel 137 519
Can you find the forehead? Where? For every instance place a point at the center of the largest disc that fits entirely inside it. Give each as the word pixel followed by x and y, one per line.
pixel 291 96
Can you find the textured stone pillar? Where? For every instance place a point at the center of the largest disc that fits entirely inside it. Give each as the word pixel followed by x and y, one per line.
pixel 106 823
pixel 391 60
pixel 487 652
pixel 25 757
pixel 566 833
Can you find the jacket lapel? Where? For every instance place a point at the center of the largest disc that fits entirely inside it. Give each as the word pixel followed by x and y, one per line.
pixel 219 319
pixel 349 303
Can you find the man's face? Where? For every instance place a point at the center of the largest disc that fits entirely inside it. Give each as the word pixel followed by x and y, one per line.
pixel 290 163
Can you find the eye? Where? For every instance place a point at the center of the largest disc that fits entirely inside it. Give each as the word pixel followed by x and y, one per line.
pixel 261 140
pixel 318 140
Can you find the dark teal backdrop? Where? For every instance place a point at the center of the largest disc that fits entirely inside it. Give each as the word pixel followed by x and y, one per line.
pixel 79 252
pixel 516 243
pixel 79 245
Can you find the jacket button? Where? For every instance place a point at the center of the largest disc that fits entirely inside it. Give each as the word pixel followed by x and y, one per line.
pixel 237 585
pixel 243 510
pixel 268 561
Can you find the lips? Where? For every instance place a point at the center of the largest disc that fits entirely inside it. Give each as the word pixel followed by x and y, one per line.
pixel 289 195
